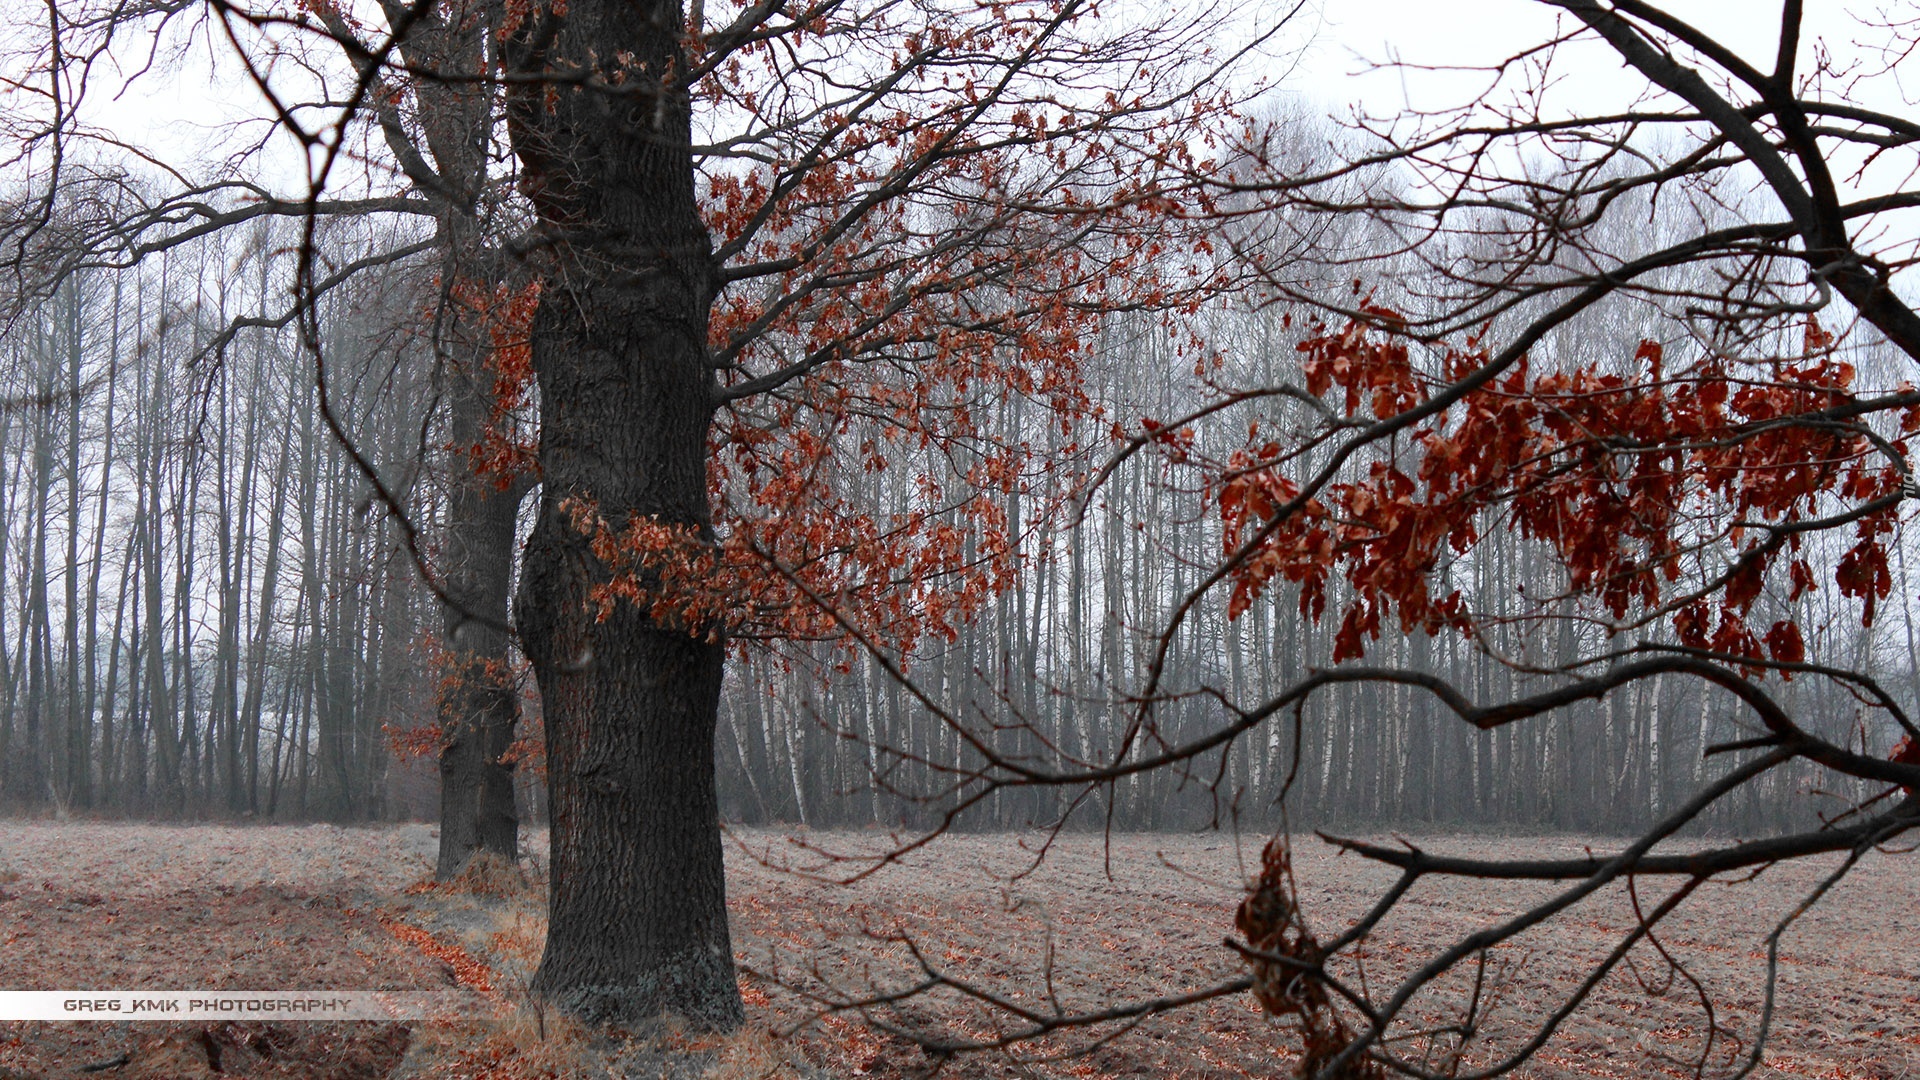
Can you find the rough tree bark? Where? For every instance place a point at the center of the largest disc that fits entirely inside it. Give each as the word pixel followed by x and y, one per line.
pixel 638 922
pixel 477 707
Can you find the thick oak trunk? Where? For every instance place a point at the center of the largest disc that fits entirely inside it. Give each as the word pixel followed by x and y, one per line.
pixel 638 921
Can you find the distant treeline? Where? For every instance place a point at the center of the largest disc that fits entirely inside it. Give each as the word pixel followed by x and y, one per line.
pixel 208 614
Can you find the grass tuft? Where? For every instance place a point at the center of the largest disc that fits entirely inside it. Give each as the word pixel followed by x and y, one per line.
pixel 489 876
pixel 511 1041
pixel 751 1053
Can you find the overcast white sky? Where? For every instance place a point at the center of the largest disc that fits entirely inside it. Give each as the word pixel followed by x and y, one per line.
pixel 1437 32
pixel 1346 36
pixel 1349 63
pixel 181 117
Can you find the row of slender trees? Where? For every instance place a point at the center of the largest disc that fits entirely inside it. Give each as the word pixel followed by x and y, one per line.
pixel 203 615
pixel 208 614
pixel 835 740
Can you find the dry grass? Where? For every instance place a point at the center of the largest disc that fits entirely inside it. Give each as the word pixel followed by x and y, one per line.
pixel 489 876
pixel 516 941
pixel 515 1040
pixel 755 1052
pixel 494 908
pixel 520 1040
pixel 498 914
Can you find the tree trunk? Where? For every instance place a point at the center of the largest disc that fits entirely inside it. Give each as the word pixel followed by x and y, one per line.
pixel 478 707
pixel 638 903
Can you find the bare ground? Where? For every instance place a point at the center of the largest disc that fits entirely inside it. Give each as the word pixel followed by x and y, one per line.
pixel 120 906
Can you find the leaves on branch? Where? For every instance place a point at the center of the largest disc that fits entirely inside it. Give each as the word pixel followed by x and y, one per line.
pixel 1659 491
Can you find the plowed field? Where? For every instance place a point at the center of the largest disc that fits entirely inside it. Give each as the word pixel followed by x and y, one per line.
pixel 1096 924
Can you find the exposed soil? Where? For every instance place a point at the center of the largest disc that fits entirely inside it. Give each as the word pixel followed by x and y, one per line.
pixel 128 907
pixel 1847 1005
pixel 117 906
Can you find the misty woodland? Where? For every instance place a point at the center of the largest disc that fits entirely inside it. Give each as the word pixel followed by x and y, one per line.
pixel 630 417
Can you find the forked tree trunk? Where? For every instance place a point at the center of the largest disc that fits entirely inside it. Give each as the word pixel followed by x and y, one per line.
pixel 638 920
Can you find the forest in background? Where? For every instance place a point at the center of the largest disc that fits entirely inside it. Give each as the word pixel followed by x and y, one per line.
pixel 208 614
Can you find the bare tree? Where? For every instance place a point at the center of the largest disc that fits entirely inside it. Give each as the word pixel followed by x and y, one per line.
pixel 1675 507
